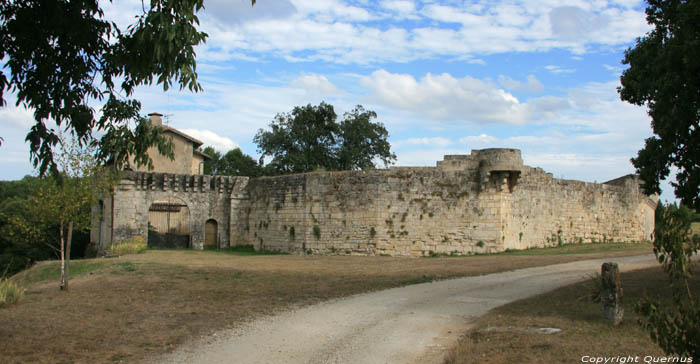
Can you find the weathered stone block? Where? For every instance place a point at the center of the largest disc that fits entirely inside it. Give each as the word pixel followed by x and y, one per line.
pixel 611 293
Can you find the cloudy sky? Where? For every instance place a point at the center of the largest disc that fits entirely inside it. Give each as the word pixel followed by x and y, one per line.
pixel 445 77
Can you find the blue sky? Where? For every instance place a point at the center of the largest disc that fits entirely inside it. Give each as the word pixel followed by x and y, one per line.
pixel 444 77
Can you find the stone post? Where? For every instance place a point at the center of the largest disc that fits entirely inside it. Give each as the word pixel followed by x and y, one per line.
pixel 611 293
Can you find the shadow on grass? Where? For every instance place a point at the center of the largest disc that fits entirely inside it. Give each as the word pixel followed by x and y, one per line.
pixel 242 250
pixel 574 248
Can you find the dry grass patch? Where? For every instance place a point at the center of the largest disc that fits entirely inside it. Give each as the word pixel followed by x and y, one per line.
pixel 130 308
pixel 695 228
pixel 502 336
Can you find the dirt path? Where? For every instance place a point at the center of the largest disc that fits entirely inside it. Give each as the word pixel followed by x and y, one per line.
pixel 412 324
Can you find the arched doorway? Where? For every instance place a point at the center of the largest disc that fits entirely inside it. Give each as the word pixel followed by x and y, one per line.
pixel 210 233
pixel 169 224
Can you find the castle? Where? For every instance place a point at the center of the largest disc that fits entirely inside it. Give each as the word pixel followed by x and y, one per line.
pixel 487 201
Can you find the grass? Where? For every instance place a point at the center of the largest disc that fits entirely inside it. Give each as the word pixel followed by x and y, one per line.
pixel 48 271
pixel 241 250
pixel 502 337
pixel 695 228
pixel 565 249
pixel 10 292
pixel 135 246
pixel 137 306
pixel 577 248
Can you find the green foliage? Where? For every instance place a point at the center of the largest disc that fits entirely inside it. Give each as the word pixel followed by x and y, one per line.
pixel 61 204
pixel 211 165
pixel 291 233
pixel 63 57
pixel 675 328
pixel 480 244
pixel 10 292
pixel 317 232
pixel 309 139
pixel 233 163
pixel 361 141
pixel 664 75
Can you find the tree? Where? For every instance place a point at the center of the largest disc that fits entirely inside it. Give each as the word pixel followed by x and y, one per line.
pixel 362 141
pixel 23 239
pixel 211 165
pixel 63 56
pixel 236 163
pixel 68 198
pixel 309 138
pixel 674 327
pixel 664 75
pixel 233 163
pixel 300 141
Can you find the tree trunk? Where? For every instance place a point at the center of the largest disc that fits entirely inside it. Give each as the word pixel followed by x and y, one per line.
pixel 69 239
pixel 63 257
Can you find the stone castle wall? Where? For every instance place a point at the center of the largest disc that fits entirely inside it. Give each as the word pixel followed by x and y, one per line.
pixel 487 201
pixel 484 202
pixel 124 216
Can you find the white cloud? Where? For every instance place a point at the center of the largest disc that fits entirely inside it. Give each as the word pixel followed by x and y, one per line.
pixel 573 23
pixel 478 140
pixel 532 84
pixel 427 141
pixel 400 8
pixel 447 98
pixel 211 139
pixel 316 83
pixel 16 116
pixel 558 69
pixel 334 31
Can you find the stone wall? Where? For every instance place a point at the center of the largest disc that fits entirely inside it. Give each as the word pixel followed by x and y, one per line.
pixel 484 202
pixel 125 214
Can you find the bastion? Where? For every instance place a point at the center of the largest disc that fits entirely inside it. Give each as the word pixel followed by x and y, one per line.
pixel 483 202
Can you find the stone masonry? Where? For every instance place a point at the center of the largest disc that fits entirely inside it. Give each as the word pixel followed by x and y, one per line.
pixel 487 201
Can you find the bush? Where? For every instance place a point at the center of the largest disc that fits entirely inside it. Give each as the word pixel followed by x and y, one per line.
pixel 674 326
pixel 10 292
pixel 134 246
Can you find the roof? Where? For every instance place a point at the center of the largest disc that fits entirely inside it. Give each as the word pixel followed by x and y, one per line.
pixel 197 143
pixel 205 155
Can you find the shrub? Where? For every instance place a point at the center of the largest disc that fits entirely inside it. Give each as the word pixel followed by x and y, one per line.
pixel 10 292
pixel 317 232
pixel 134 246
pixel 674 327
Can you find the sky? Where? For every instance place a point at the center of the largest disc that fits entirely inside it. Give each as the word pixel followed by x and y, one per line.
pixel 444 77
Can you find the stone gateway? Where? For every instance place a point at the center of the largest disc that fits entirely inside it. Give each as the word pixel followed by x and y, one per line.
pixel 484 202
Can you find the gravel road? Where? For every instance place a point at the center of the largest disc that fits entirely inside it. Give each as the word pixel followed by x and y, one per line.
pixel 413 324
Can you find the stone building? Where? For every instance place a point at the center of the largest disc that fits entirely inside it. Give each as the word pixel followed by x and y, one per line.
pixel 487 201
pixel 188 159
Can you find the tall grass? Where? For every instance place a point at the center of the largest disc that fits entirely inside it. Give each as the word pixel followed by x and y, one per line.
pixel 10 292
pixel 134 246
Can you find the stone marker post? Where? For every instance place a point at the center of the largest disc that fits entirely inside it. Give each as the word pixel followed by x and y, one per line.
pixel 611 293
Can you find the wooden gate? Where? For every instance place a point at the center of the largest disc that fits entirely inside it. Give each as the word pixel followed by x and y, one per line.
pixel 210 233
pixel 169 224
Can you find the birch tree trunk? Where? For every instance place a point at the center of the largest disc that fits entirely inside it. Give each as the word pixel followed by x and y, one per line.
pixel 69 239
pixel 63 256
